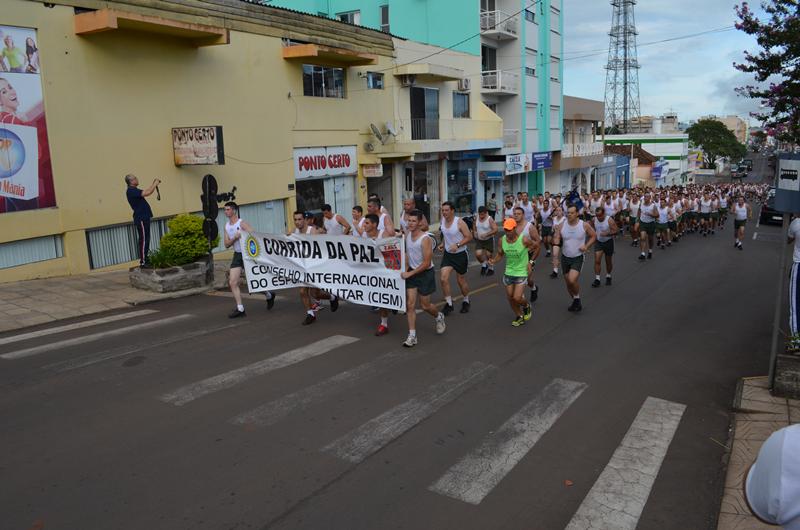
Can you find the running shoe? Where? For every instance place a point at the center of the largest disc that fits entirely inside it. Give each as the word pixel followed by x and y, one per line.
pixel 310 319
pixel 448 308
pixel 382 330
pixel 576 305
pixel 441 326
pixel 270 300
pixel 410 341
pixel 650 254
pixel 315 307
pixel 547 254
pixel 517 322
pixel 490 272
pixel 608 280
pixel 642 257
pixel 554 274
pixel 527 313
pixel 464 307
pixel 596 283
pixel 740 247
pixel 483 271
pixel 534 294
pixel 334 304
pixel 236 313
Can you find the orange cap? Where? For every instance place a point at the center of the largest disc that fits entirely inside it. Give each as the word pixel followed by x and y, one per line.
pixel 509 224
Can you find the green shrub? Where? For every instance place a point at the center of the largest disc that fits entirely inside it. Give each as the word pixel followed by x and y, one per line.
pixel 183 243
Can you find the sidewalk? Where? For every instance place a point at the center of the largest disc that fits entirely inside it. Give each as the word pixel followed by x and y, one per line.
pixel 33 302
pixel 757 415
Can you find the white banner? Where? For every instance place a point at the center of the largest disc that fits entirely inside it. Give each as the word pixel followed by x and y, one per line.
pixel 355 269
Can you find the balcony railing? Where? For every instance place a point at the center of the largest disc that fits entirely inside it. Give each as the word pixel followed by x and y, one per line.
pixel 424 129
pixel 578 150
pixel 510 137
pixel 500 82
pixel 499 25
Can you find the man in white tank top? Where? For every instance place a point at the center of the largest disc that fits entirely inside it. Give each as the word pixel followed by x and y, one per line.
pixel 409 205
pixel 741 213
pixel 605 227
pixel 527 207
pixel 310 295
pixel 420 278
pixel 484 230
pixel 455 236
pixel 371 232
pixel 574 236
pixel 333 223
pixel 358 220
pixel 232 238
pixel 529 230
pixel 385 223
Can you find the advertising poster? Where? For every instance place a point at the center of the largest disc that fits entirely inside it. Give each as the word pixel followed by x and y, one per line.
pixel 520 163
pixel 198 146
pixel 355 269
pixel 26 175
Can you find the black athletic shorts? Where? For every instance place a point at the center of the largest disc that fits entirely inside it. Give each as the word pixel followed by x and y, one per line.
pixel 424 282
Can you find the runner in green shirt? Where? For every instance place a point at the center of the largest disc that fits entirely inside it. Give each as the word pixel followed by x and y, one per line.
pixel 515 248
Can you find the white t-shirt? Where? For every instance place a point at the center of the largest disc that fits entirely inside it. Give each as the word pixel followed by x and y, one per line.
pixel 794 231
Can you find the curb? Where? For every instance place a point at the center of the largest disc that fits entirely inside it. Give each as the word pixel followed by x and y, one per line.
pixel 167 296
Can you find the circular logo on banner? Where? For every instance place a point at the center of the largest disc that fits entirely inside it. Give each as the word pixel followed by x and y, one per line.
pixel 12 154
pixel 252 247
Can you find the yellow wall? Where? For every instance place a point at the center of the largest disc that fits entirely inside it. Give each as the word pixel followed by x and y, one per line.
pixel 112 98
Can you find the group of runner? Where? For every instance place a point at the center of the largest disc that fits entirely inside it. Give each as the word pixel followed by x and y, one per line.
pixel 564 227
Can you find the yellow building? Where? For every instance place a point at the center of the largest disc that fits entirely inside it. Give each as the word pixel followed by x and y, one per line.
pixel 285 88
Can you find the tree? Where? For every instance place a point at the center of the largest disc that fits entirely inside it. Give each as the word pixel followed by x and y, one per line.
pixel 778 62
pixel 716 141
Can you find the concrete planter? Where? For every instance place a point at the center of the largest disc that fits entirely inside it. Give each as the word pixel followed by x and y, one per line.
pixel 189 276
pixel 787 376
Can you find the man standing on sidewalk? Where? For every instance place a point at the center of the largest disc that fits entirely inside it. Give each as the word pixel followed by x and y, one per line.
pixel 141 213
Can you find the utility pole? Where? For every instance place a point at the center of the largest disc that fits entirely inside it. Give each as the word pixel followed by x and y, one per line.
pixel 622 69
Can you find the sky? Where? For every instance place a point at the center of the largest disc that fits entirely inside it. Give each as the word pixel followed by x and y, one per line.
pixel 693 77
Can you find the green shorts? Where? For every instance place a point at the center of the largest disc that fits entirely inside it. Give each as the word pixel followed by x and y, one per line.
pixel 606 247
pixel 485 244
pixel 568 264
pixel 705 216
pixel 237 261
pixel 723 211
pixel 424 282
pixel 634 220
pixel 547 231
pixel 661 226
pixel 457 261
pixel 514 280
pixel 649 228
pixel 737 224
pixel 672 225
pixel 715 215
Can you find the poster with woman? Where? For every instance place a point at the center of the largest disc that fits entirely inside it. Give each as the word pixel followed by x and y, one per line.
pixel 26 175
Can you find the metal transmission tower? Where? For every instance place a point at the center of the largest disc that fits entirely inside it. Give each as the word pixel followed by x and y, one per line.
pixel 622 70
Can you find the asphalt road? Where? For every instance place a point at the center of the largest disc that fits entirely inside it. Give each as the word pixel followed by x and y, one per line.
pixel 180 418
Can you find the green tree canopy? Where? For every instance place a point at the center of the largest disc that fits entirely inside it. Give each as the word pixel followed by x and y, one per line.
pixel 716 141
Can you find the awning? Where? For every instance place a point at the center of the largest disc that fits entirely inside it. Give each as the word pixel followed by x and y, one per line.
pixel 428 71
pixel 318 53
pixel 104 20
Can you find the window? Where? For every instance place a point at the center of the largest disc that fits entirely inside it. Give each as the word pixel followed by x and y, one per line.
pixel 323 81
pixel 375 80
pixel 424 113
pixel 487 5
pixel 530 59
pixel 351 17
pixel 492 107
pixel 530 72
pixel 16 253
pixel 488 58
pixel 460 105
pixel 385 19
pixel 555 67
pixel 554 115
pixel 531 116
pixel 530 16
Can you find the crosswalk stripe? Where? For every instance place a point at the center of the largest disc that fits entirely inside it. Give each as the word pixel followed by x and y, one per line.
pixel 476 475
pixel 76 325
pixel 620 493
pixel 274 411
pixel 35 350
pixel 107 355
pixel 219 382
pixel 370 437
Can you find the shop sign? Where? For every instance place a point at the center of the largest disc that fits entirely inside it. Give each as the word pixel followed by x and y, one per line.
pixel 490 175
pixel 372 170
pixel 313 162
pixel 542 160
pixel 520 163
pixel 198 146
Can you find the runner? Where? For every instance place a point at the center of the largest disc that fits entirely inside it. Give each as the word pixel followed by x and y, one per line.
pixel 358 220
pixel 232 238
pixel 705 214
pixel 633 207
pixel 575 236
pixel 310 296
pixel 420 278
pixel 333 223
pixel 484 230
pixel 515 248
pixel 741 213
pixel 385 223
pixel 558 220
pixel 371 232
pixel 546 215
pixel 529 229
pixel 605 228
pixel 527 207
pixel 508 207
pixel 409 205
pixel 456 235
pixel 648 213
pixel 662 223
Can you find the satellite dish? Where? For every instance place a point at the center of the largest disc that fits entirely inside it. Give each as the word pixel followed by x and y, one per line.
pixel 390 128
pixel 377 133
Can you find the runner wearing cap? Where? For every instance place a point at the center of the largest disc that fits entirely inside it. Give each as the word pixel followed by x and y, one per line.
pixel 515 248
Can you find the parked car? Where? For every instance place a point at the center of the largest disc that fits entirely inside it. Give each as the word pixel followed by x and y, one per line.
pixel 768 213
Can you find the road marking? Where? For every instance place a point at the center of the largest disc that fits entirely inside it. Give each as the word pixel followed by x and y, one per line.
pixel 620 493
pixel 219 382
pixel 27 352
pixel 88 360
pixel 76 325
pixel 477 474
pixel 274 411
pixel 755 235
pixel 378 432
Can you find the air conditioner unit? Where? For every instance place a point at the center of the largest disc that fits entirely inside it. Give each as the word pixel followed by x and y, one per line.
pixel 465 84
pixel 408 80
